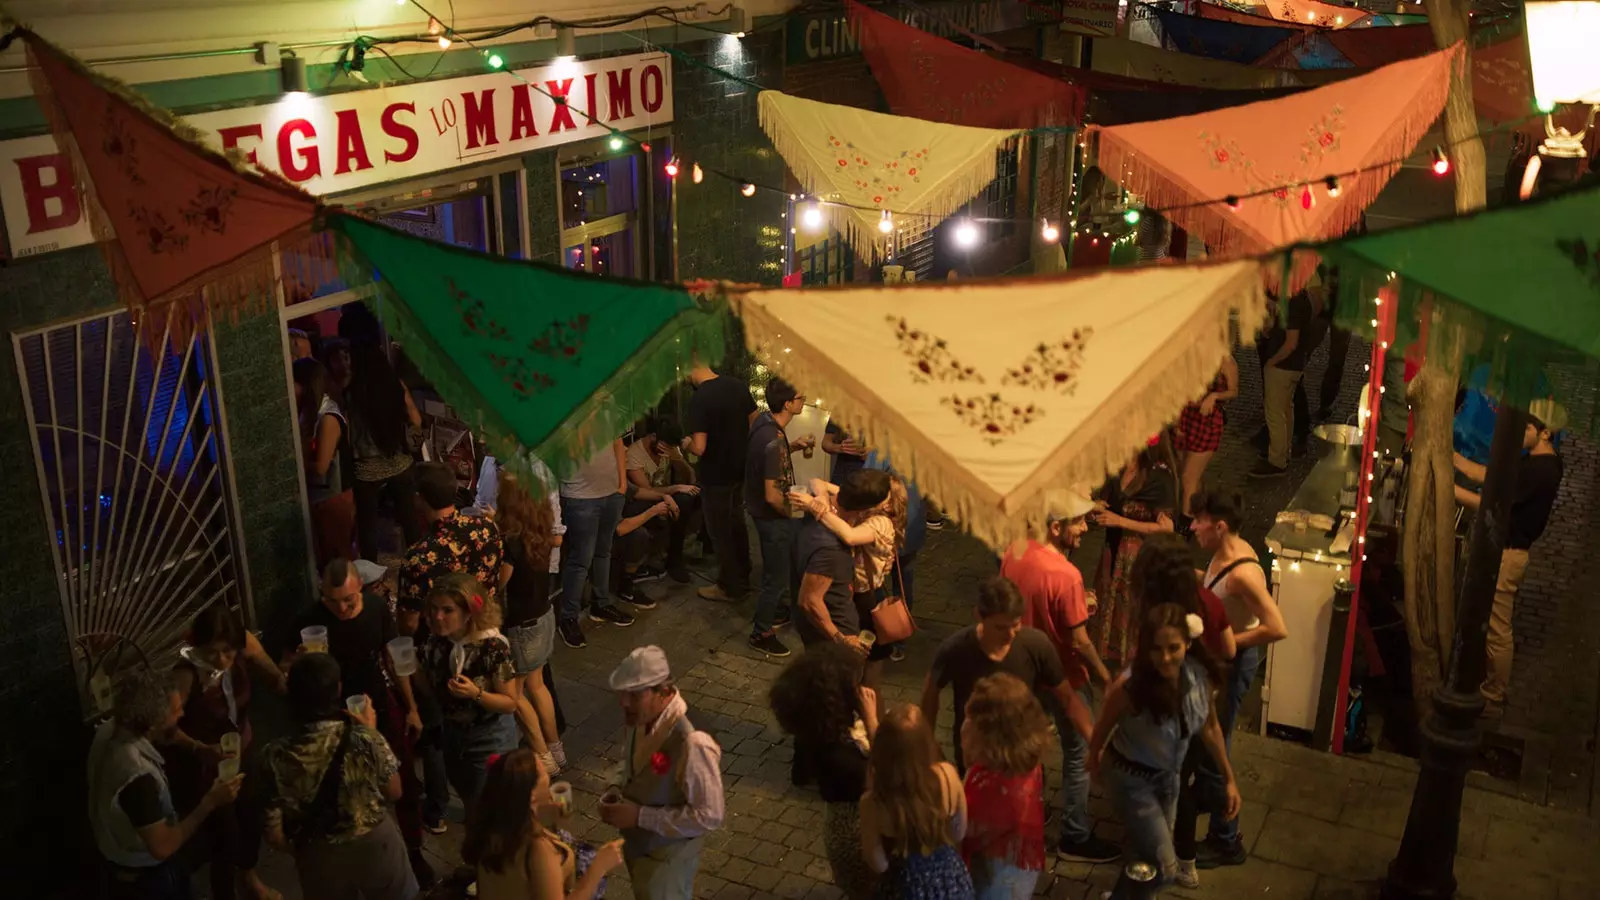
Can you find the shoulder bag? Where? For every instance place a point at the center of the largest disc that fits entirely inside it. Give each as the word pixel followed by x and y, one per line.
pixel 891 618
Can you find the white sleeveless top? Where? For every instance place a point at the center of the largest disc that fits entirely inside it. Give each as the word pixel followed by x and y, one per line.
pixel 1240 617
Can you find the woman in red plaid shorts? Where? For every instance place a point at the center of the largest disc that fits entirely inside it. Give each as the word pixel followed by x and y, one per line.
pixel 1200 430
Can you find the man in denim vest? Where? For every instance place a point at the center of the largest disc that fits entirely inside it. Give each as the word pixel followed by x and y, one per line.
pixel 670 793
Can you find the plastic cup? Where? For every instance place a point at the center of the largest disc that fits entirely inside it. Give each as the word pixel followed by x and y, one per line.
pixel 228 768
pixel 357 705
pixel 231 743
pixel 403 653
pixel 611 797
pixel 561 793
pixel 867 639
pixel 314 638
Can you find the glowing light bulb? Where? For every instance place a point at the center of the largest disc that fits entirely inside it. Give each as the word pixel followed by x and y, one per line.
pixel 966 234
pixel 1332 181
pixel 1441 163
pixel 1049 232
pixel 672 167
pixel 1132 216
pixel 812 216
pixel 495 61
pixel 444 42
pixel 616 142
pixel 748 189
pixel 696 175
pixel 886 223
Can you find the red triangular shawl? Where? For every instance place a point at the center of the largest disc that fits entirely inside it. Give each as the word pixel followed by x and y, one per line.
pixel 1185 167
pixel 924 76
pixel 172 215
pixel 1369 48
pixel 1226 14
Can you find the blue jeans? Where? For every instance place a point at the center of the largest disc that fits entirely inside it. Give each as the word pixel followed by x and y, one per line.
pixel 777 568
pixel 1210 788
pixel 1076 826
pixel 467 751
pixel 996 879
pixel 586 550
pixel 1147 806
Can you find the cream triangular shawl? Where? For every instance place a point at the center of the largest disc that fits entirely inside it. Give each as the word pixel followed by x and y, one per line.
pixel 989 393
pixel 879 162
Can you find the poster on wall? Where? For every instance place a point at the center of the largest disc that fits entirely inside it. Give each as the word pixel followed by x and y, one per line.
pixel 340 142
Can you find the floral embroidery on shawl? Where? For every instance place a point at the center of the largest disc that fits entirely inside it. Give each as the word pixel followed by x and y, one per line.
pixel 994 417
pixel 930 358
pixel 1052 366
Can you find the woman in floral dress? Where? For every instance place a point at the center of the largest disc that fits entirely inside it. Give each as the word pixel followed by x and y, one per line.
pixel 1139 501
pixel 915 815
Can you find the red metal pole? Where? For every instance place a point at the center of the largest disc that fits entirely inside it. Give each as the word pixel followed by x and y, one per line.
pixel 1383 319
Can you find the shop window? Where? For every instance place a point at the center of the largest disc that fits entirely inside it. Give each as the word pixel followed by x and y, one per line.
pixel 601 203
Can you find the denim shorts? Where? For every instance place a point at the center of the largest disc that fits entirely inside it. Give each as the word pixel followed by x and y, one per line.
pixel 531 645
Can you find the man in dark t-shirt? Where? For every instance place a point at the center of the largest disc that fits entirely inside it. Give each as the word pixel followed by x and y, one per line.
pixel 999 643
pixel 1538 480
pixel 848 454
pixel 827 607
pixel 719 417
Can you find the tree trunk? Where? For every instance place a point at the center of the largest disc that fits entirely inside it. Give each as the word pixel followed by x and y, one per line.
pixel 1428 543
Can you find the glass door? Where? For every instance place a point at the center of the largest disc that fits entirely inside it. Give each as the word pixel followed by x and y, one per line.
pixel 600 213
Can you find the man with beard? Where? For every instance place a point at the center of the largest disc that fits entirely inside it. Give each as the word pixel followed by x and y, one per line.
pixel 670 795
pixel 1058 605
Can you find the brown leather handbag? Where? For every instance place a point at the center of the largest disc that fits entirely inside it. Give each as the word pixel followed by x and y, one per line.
pixel 891 618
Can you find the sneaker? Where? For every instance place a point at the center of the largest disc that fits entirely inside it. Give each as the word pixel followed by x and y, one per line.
pixel 649 573
pixel 1264 469
pixel 641 600
pixel 1093 849
pixel 435 826
pixel 935 523
pixel 559 752
pixel 678 574
pixel 784 617
pixel 551 767
pixel 1213 853
pixel 1187 876
pixel 714 593
pixel 624 591
pixel 610 614
pixel 472 889
pixel 420 866
pixel 897 653
pixel 769 644
pixel 572 634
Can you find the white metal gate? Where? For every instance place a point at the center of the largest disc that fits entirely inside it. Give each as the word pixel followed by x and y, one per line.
pixel 134 480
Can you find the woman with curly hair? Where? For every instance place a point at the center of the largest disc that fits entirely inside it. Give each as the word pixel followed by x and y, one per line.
pixel 468 661
pixel 1003 740
pixel 519 857
pixel 1150 715
pixel 528 532
pixel 820 700
pixel 915 815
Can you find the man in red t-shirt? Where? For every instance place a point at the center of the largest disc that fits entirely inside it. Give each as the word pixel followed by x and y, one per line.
pixel 1059 606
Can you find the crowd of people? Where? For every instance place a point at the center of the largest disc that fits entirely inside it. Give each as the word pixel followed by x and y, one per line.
pixel 431 676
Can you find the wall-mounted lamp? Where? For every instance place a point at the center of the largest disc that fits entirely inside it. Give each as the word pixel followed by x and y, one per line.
pixel 566 42
pixel 293 70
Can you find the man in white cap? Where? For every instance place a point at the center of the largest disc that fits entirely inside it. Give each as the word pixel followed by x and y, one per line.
pixel 670 794
pixel 1058 605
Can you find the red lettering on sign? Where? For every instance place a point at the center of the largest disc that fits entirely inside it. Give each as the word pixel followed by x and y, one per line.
pixel 231 136
pixel 561 120
pixel 594 104
pixel 651 74
pixel 480 119
pixel 400 131
pixel 522 113
pixel 36 195
pixel 619 85
pixel 352 146
pixel 302 163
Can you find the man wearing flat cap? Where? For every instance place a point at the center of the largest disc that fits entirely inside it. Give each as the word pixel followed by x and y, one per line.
pixel 671 785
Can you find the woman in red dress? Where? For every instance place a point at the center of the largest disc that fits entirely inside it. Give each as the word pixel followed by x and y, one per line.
pixel 1199 431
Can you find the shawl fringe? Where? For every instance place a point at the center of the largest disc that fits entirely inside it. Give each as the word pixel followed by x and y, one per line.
pixel 860 227
pixel 616 404
pixel 1227 236
pixel 1178 373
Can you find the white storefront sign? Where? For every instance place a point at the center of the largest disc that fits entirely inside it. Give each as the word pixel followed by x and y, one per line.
pixel 1096 17
pixel 340 142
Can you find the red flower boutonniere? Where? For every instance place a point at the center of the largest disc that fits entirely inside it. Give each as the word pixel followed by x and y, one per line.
pixel 659 763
